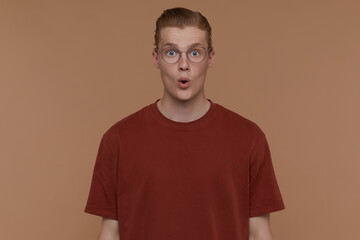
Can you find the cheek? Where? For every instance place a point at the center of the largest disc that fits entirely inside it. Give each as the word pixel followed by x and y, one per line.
pixel 204 66
pixel 168 71
pixel 201 70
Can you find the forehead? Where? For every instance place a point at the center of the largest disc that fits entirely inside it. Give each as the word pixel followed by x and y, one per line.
pixel 182 37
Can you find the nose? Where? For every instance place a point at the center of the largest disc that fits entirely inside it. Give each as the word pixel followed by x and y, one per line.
pixel 183 62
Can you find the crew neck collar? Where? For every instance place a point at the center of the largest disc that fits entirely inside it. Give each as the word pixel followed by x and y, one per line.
pixel 200 122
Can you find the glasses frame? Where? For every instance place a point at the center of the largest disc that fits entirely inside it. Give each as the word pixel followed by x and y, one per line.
pixel 187 53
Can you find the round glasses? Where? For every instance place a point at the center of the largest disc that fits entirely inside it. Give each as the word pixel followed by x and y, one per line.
pixel 173 55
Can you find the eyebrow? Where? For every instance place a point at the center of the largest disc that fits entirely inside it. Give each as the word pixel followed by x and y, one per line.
pixel 175 45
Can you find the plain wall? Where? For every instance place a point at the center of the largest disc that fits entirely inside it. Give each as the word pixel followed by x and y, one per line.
pixel 71 69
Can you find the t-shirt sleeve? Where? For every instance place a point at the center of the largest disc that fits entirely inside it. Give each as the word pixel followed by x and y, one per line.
pixel 265 196
pixel 102 199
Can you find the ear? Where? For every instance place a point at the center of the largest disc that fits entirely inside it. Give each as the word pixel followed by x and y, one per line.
pixel 155 58
pixel 211 58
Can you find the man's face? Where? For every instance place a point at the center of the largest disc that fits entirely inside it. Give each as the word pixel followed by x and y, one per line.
pixel 183 39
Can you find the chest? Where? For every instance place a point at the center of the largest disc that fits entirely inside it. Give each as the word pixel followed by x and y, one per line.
pixel 196 158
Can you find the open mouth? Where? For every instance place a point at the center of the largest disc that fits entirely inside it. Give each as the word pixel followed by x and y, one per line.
pixel 184 83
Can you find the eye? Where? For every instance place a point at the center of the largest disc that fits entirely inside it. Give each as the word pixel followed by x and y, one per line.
pixel 195 52
pixel 170 52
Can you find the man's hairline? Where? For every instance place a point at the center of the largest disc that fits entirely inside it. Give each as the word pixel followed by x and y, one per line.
pixel 182 27
pixel 189 46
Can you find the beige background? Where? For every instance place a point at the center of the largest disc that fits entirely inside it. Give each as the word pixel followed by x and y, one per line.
pixel 71 69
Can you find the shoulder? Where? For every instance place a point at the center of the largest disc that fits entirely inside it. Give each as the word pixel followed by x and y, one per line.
pixel 130 122
pixel 237 122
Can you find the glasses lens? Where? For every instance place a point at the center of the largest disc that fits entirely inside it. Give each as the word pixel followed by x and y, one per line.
pixel 196 54
pixel 170 55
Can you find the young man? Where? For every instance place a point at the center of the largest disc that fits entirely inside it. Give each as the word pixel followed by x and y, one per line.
pixel 184 167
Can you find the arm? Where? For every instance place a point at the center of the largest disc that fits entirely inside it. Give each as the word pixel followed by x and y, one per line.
pixel 259 228
pixel 109 230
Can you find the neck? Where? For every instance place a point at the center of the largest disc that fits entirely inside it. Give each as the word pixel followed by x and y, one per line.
pixel 183 111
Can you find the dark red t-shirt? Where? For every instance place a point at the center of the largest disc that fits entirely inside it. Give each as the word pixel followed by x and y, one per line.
pixel 168 180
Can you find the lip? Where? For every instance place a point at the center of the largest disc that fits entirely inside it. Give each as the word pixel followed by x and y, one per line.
pixel 183 85
pixel 184 79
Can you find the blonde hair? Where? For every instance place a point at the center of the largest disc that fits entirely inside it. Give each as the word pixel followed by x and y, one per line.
pixel 182 17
